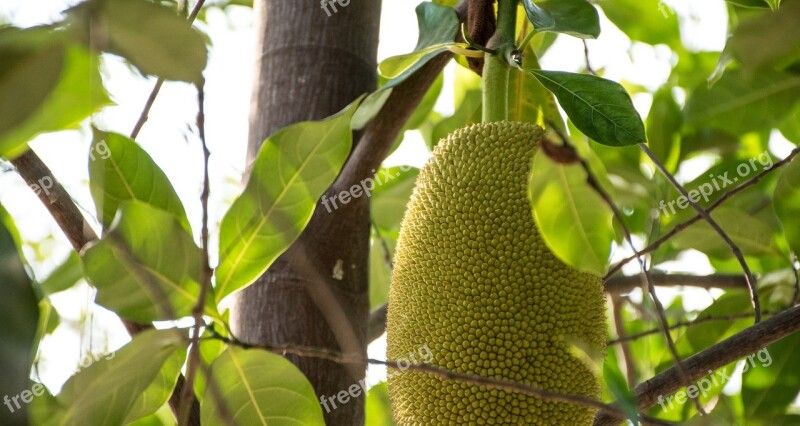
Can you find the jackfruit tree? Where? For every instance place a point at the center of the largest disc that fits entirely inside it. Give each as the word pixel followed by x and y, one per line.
pixel 546 212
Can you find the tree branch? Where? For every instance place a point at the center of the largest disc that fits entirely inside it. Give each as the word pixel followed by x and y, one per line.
pixel 682 324
pixel 56 199
pixel 379 135
pixel 449 375
pixel 751 281
pixel 729 350
pixel 683 225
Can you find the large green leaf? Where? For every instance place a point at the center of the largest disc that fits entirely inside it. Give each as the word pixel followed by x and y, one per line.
pixel 790 128
pixel 786 201
pixel 147 267
pixel 437 30
pixel 750 233
pixel 31 63
pixel 152 37
pixel 738 103
pixel 380 273
pixel 259 387
pixel 574 17
pixel 650 21
pixel 768 40
pixel 19 314
pixel 572 218
pixel 291 171
pixel 772 380
pixel 663 128
pixel 530 100
pixel 393 187
pixel 600 108
pixel 378 410
pixel 112 387
pixel 64 276
pixel 31 102
pixel 160 389
pixel 120 170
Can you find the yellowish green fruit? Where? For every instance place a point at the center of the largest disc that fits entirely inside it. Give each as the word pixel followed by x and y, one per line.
pixel 474 281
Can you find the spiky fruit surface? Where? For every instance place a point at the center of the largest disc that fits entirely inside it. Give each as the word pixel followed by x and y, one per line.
pixel 474 281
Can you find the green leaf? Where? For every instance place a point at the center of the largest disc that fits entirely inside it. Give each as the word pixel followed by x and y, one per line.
pixel 530 100
pixel 772 380
pixel 600 108
pixel 738 104
pixel 761 4
pixel 707 334
pixel 44 409
pixel 649 21
pixel 64 276
pixel 380 273
pixel 572 218
pixel 438 26
pixel 786 201
pixel 110 388
pixel 790 128
pixel 19 314
pixel 393 187
pixel 152 37
pixel 41 107
pixel 751 234
pixel 259 388
pixel 468 111
pixel 400 67
pixel 160 389
pixel 618 387
pixel 147 267
pixel 370 107
pixel 291 171
pixel 210 349
pixel 574 17
pixel 768 40
pixel 30 66
pixel 48 321
pixel 162 417
pixel 663 128
pixel 378 410
pixel 120 170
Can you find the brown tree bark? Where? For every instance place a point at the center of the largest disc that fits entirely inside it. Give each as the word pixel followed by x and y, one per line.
pixel 309 66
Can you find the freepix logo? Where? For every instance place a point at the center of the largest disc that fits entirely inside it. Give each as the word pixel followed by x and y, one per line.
pixel 718 183
pixel 719 379
pixel 423 356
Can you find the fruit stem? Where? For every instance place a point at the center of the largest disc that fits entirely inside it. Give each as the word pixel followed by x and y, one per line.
pixel 496 68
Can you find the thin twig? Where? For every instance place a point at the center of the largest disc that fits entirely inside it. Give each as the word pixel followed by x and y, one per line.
pixel 194 352
pixel 619 327
pixel 723 353
pixel 647 281
pixel 796 274
pixel 157 87
pixel 624 283
pixel 678 325
pixel 387 254
pixel 683 225
pixel 586 57
pixel 751 281
pixel 449 375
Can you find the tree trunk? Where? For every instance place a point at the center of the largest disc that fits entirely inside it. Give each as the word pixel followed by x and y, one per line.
pixel 309 66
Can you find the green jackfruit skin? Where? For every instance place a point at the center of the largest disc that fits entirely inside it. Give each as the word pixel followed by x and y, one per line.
pixel 474 281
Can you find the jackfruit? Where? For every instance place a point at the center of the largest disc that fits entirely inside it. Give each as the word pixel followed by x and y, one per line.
pixel 474 281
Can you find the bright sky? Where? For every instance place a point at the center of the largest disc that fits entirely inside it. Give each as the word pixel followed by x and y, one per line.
pixel 167 138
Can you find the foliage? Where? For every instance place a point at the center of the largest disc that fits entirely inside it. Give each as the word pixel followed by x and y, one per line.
pixel 716 121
